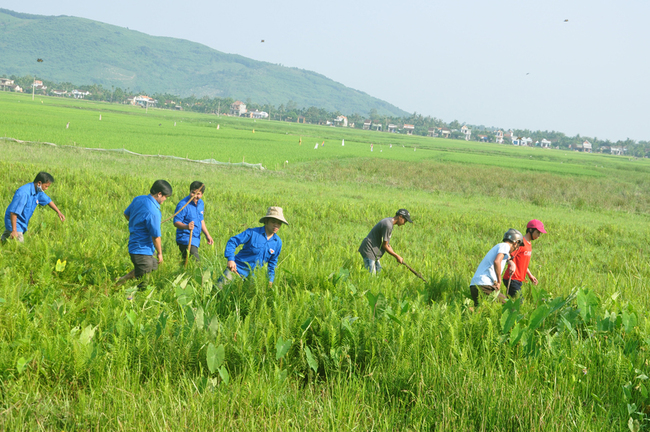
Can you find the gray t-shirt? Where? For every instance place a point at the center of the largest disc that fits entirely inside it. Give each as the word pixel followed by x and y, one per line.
pixel 371 245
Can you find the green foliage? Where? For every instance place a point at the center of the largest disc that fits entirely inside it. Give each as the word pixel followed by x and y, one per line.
pixel 114 56
pixel 326 346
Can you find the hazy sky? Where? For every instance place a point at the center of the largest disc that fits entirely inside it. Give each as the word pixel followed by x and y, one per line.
pixel 512 64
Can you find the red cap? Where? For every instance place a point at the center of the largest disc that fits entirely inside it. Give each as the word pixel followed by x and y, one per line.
pixel 537 224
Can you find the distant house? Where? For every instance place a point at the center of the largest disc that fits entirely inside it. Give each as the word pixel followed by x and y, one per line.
pixel 377 127
pixel 302 119
pixel 483 138
pixel 342 121
pixel 617 151
pixel 143 101
pixel 38 85
pixel 467 132
pixel 257 114
pixel 392 128
pixel 59 92
pixel 432 132
pixel 586 146
pixel 498 137
pixel 238 108
pixel 15 88
pixel 80 94
pixel 511 136
pixel 6 83
pixel 526 142
pixel 408 128
pixel 444 132
pixel 545 143
pixel 367 124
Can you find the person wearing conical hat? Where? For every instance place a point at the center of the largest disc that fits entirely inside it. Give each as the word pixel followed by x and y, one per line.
pixel 261 246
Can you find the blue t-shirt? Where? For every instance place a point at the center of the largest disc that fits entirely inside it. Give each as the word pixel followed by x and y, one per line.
pixel 144 224
pixel 192 213
pixel 23 205
pixel 257 250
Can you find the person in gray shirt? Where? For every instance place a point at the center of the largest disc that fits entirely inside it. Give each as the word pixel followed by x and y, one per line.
pixel 378 241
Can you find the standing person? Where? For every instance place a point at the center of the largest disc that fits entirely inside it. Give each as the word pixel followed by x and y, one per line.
pixel 487 278
pixel 261 245
pixel 189 220
pixel 144 218
pixel 378 241
pixel 521 258
pixel 23 204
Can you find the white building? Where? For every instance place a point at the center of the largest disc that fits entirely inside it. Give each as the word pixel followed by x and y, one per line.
pixel 467 132
pixel 545 143
pixel 408 128
pixel 238 108
pixel 499 137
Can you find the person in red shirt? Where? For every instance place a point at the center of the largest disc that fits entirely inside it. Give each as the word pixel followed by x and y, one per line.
pixel 521 258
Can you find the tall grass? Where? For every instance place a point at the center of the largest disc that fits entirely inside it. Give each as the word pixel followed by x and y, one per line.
pixel 327 346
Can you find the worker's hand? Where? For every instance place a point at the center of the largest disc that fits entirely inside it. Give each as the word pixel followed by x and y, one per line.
pixel 160 258
pixel 497 285
pixel 232 266
pixel 270 284
pixel 534 280
pixel 512 267
pixel 61 217
pixel 13 235
pixel 190 226
pixel 210 241
pixel 399 259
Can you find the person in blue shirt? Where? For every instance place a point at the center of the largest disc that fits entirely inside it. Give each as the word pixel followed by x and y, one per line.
pixel 144 219
pixel 261 246
pixel 189 219
pixel 23 204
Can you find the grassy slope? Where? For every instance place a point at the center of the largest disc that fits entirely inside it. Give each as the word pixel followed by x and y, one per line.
pixel 438 366
pixel 83 51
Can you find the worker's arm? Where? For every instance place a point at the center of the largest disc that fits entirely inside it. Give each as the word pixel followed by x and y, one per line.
pixel 56 209
pixel 158 245
pixel 385 246
pixel 497 270
pixel 532 278
pixel 181 225
pixel 14 225
pixel 204 229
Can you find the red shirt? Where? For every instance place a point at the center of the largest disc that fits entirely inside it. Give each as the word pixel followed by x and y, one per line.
pixel 521 259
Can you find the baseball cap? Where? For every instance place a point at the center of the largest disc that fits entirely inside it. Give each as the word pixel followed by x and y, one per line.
pixel 405 214
pixel 536 224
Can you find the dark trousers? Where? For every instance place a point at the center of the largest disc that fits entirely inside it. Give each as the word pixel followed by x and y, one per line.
pixel 513 286
pixel 485 289
pixel 194 251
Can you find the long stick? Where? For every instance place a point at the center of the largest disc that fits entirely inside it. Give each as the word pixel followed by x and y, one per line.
pixel 189 247
pixel 174 215
pixel 414 272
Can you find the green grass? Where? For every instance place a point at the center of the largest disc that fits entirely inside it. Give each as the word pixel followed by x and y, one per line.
pixel 383 353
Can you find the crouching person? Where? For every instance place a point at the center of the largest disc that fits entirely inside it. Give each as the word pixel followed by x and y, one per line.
pixel 261 246
pixel 144 218
pixel 487 278
pixel 22 206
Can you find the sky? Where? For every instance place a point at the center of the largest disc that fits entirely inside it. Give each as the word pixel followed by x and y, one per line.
pixel 510 64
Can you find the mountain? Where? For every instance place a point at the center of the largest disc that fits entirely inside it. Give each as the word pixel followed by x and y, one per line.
pixel 83 51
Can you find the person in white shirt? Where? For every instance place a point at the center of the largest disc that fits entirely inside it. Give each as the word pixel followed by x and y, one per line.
pixel 487 277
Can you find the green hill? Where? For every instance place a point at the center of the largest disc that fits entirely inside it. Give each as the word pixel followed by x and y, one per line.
pixel 83 51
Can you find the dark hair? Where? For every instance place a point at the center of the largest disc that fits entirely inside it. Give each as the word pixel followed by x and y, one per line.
pixel 530 230
pixel 161 186
pixel 44 177
pixel 197 185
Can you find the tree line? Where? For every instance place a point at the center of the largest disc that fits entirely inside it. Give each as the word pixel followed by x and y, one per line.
pixel 314 115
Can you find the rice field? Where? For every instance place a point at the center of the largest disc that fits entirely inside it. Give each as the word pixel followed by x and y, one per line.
pixel 327 347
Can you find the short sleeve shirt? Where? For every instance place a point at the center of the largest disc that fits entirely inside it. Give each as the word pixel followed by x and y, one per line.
pixel 144 224
pixel 23 205
pixel 485 274
pixel 371 245
pixel 522 259
pixel 191 213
